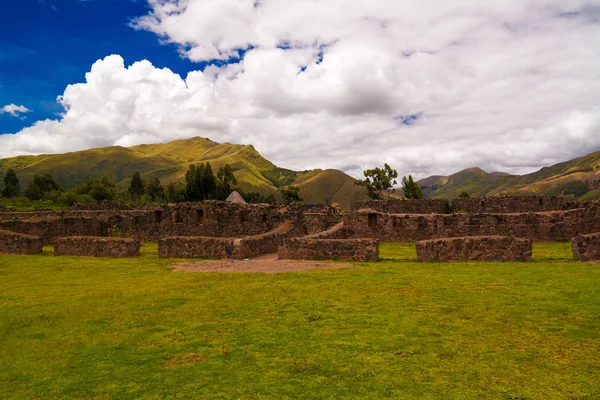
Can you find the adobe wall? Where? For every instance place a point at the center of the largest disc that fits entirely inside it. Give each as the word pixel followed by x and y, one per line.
pixel 18 243
pixel 558 226
pixel 313 248
pixel 217 247
pixel 90 246
pixel 508 204
pixel 407 206
pixel 586 247
pixel 475 248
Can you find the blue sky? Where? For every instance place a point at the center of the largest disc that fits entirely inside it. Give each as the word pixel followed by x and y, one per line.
pixel 46 45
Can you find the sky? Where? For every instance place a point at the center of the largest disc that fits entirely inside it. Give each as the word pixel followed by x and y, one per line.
pixel 429 87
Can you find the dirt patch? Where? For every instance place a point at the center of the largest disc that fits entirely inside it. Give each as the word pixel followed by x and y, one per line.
pixel 267 264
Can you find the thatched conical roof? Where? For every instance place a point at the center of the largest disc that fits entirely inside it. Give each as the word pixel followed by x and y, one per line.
pixel 235 197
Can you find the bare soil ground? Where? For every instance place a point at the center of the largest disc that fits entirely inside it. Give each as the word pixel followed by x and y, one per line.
pixel 267 264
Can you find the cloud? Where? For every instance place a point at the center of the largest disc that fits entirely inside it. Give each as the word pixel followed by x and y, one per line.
pixel 428 87
pixel 14 110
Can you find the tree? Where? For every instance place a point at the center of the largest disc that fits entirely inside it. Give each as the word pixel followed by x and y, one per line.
pixel 200 183
pixel 98 189
pixel 136 187
pixel 377 180
pixel 176 192
pixel 40 186
pixel 464 195
pixel 291 194
pixel 226 182
pixel 154 190
pixel 12 187
pixel 411 189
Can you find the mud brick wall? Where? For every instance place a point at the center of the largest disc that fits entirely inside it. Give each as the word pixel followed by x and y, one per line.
pixel 586 247
pixel 18 243
pixel 216 247
pixel 556 226
pixel 476 248
pixel 508 204
pixel 408 206
pixel 312 248
pixel 90 246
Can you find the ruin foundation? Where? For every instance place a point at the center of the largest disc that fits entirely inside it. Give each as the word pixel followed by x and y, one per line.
pixel 477 248
pixel 586 247
pixel 90 246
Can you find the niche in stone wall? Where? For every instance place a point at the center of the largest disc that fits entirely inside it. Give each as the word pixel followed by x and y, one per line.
pixel 200 215
pixel 541 202
pixel 397 223
pixel 177 218
pixel 372 220
pixel 482 204
pixel 157 216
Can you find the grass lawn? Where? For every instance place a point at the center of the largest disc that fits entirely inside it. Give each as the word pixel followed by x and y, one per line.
pixel 105 328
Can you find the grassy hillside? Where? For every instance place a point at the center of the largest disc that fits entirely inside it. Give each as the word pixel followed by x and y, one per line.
pixel 576 179
pixel 170 161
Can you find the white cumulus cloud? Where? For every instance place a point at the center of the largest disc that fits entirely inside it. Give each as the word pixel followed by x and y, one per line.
pixel 14 110
pixel 428 87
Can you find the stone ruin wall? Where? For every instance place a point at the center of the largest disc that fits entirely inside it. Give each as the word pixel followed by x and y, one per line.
pixel 475 248
pixel 408 206
pixel 586 247
pixel 219 247
pixel 557 226
pixel 90 246
pixel 508 204
pixel 18 243
pixel 210 218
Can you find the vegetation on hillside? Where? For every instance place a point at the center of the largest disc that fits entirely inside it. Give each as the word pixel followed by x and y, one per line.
pixel 169 162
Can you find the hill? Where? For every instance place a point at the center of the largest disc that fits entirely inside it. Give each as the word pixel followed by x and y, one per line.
pixel 170 161
pixel 577 179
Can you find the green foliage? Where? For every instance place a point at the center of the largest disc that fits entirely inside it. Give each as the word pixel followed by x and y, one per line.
pixel 154 191
pixel 12 187
pixel 291 194
pixel 137 188
pixel 257 197
pixel 42 185
pixel 201 183
pixel 176 192
pixel 411 189
pixel 97 189
pixel 464 195
pixel 377 180
pixel 226 182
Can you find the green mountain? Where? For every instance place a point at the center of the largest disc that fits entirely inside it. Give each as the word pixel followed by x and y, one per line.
pixel 170 161
pixel 577 179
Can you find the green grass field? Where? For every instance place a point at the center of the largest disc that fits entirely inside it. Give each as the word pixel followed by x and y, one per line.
pixel 124 329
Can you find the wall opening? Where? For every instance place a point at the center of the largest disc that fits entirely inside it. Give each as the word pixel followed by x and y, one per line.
pixel 482 203
pixel 157 216
pixel 200 216
pixel 372 220
pixel 177 218
pixel 541 202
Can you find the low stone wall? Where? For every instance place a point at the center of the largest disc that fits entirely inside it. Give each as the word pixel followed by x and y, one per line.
pixel 91 246
pixel 18 243
pixel 407 206
pixel 586 247
pixel 318 222
pixel 312 248
pixel 508 204
pixel 476 248
pixel 214 247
